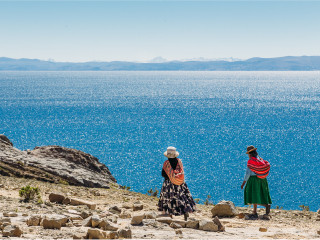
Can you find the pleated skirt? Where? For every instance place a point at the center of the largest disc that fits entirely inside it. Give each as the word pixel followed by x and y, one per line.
pixel 257 191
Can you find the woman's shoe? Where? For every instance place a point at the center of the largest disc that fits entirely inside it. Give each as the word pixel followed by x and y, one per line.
pixel 253 216
pixel 265 217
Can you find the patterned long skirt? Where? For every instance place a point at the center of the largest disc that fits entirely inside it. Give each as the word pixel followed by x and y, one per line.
pixel 175 199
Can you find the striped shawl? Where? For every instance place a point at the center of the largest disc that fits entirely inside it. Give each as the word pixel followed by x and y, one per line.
pixel 259 166
pixel 176 176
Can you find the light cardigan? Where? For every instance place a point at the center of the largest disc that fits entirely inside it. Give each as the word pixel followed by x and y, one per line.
pixel 249 173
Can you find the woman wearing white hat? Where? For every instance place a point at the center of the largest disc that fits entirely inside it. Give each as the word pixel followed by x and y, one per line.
pixel 175 197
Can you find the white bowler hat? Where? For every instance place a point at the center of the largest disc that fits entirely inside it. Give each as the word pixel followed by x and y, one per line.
pixel 171 152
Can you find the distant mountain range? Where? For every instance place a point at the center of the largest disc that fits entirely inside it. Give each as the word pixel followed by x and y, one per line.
pixel 303 63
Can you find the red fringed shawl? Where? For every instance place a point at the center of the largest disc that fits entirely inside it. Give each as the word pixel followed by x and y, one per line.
pixel 259 166
pixel 176 176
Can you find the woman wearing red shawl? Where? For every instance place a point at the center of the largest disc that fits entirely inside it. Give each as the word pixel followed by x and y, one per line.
pixel 175 197
pixel 256 191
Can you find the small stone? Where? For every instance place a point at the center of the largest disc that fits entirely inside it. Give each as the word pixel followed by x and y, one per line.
pixel 10 214
pixel 95 220
pixel 206 225
pixel 137 219
pixel 25 215
pixel 241 215
pixel 56 197
pixel 115 210
pixel 85 214
pixel 5 220
pixel 125 214
pixel 11 231
pixel 125 233
pixel 54 221
pixel 69 224
pixel 73 212
pixel 79 236
pixel 96 234
pixel 127 206
pixel 114 219
pixel 178 232
pixel 112 235
pixel 77 202
pixel 106 225
pixel 182 223
pixel 263 229
pixel 137 207
pixel 34 220
pixel 166 220
pixel 150 215
pixel 86 222
pixel 194 224
pixel 73 216
pixel 221 228
pixel 175 225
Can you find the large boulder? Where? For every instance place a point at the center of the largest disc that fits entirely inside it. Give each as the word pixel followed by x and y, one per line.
pixel 224 209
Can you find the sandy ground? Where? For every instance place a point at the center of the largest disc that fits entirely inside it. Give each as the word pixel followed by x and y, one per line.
pixel 283 224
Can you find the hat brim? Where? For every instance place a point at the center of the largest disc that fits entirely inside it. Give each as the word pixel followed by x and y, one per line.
pixel 251 150
pixel 175 155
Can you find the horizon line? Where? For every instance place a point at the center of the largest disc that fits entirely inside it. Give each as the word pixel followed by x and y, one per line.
pixel 194 59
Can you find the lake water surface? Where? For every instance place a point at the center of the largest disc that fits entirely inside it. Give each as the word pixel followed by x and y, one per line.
pixel 128 119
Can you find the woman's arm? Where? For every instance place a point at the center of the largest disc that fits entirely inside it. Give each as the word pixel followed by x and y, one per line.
pixel 164 174
pixel 246 177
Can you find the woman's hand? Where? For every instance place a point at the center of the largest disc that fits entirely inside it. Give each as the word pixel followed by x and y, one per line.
pixel 242 185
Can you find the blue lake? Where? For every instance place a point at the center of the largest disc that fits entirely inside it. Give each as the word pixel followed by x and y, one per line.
pixel 128 119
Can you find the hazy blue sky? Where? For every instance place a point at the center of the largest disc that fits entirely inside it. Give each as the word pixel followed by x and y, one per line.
pixel 142 30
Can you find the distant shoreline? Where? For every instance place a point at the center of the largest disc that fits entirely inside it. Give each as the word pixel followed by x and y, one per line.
pixel 290 63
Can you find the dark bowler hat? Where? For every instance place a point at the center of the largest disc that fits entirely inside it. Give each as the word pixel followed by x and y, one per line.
pixel 250 149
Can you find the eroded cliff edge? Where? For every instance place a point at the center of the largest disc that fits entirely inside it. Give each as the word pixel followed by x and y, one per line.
pixel 54 164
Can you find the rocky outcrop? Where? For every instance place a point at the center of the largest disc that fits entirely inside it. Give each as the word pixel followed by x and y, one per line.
pixel 54 164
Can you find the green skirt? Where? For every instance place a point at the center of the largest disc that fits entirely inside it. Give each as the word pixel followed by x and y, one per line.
pixel 257 191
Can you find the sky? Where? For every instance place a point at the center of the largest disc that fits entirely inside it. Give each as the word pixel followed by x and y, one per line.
pixel 80 31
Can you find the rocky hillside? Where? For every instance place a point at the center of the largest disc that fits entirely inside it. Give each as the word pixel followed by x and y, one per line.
pixel 54 164
pixel 77 212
